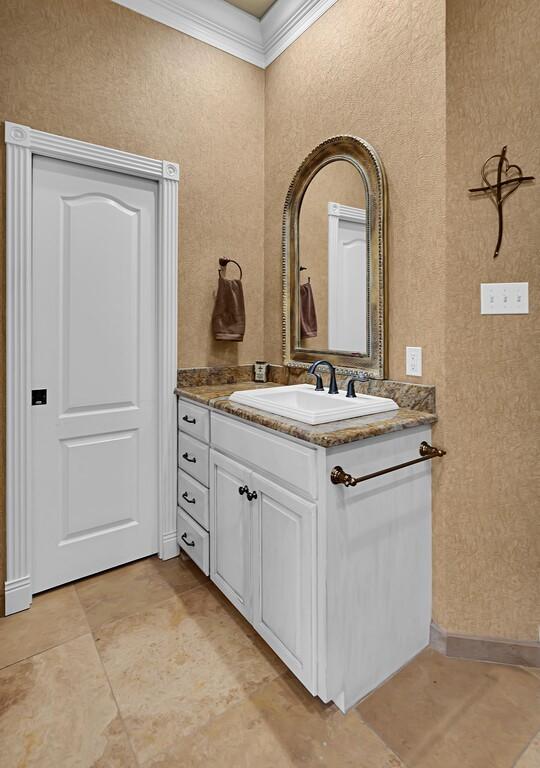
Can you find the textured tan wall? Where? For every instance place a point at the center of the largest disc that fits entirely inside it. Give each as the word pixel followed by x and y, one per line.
pixel 378 70
pixel 375 70
pixel 489 500
pixel 338 182
pixel 95 71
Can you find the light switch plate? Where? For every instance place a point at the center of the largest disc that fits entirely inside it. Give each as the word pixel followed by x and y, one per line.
pixel 413 361
pixel 504 298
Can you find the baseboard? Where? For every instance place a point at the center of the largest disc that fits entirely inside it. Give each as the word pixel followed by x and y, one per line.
pixel 18 595
pixel 169 546
pixel 522 653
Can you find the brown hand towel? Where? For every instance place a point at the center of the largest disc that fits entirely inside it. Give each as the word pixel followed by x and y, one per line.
pixel 308 315
pixel 229 315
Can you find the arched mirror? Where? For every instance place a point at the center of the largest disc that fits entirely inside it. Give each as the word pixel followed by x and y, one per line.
pixel 334 258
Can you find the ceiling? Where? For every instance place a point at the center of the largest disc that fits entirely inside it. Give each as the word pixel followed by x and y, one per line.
pixel 256 7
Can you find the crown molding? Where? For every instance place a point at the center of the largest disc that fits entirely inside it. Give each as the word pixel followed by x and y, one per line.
pixel 285 21
pixel 230 29
pixel 214 22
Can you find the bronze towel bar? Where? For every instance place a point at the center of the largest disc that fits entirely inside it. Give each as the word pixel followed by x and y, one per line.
pixel 427 452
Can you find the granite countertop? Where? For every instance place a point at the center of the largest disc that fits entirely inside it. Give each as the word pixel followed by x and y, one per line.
pixel 326 435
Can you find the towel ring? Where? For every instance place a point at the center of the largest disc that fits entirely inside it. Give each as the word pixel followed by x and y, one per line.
pixel 224 262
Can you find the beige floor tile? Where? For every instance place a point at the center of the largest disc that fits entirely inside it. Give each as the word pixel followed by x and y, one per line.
pixel 114 594
pixel 451 713
pixel 533 670
pixel 282 726
pixel 56 710
pixel 178 665
pixel 181 575
pixel 531 757
pixel 53 618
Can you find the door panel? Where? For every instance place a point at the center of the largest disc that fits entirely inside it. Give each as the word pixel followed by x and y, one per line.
pixel 86 509
pixel 230 540
pixel 99 364
pixel 280 545
pixel 284 575
pixel 94 444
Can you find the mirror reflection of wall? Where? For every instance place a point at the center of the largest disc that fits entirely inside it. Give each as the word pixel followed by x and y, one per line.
pixel 333 253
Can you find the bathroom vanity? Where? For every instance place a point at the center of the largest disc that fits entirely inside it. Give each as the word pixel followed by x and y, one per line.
pixel 333 573
pixel 337 580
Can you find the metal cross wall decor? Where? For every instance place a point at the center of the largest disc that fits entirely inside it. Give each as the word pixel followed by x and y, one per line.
pixel 513 178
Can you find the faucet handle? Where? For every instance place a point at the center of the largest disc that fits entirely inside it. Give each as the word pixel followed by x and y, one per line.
pixel 318 381
pixel 312 370
pixel 363 376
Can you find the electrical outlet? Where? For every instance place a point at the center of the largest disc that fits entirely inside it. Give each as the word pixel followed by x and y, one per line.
pixel 413 361
pixel 504 298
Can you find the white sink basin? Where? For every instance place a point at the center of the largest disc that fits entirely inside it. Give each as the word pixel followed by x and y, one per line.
pixel 302 403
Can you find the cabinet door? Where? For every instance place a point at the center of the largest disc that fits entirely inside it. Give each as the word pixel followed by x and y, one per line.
pixel 284 576
pixel 230 531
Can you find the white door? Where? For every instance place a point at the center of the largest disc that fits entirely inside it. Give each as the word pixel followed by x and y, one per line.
pixel 347 284
pixel 284 575
pixel 231 527
pixel 94 351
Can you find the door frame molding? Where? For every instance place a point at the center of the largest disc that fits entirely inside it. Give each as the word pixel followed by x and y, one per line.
pixel 22 143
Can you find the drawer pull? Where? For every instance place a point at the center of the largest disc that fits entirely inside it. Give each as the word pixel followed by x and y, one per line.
pixel 187 457
pixel 185 496
pixel 189 421
pixel 252 495
pixel 184 539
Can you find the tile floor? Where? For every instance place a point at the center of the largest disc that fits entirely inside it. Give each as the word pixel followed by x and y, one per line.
pixel 148 665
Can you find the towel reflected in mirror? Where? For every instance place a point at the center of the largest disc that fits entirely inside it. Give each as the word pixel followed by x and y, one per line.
pixel 308 313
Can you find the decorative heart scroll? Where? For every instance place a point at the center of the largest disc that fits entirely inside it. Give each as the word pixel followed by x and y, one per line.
pixel 513 178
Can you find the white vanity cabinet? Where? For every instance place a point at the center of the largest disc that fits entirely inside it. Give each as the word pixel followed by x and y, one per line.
pixel 262 558
pixel 336 580
pixel 284 576
pixel 192 525
pixel 231 525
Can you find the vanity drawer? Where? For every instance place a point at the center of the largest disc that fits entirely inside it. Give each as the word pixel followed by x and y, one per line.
pixel 272 454
pixel 194 540
pixel 193 457
pixel 194 420
pixel 193 498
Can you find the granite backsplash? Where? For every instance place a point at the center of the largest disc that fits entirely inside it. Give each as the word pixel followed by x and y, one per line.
pixel 417 397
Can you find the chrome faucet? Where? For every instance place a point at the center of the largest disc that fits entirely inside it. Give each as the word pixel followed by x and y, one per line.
pixel 363 376
pixel 333 387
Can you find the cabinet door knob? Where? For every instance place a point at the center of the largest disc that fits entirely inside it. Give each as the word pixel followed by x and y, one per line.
pixel 187 457
pixel 189 421
pixel 243 489
pixel 184 539
pixel 185 496
pixel 252 495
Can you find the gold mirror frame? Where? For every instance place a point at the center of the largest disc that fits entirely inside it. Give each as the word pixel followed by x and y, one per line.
pixel 362 155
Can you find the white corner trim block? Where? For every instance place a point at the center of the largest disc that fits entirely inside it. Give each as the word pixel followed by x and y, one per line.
pixel 230 29
pixel 21 143
pixel 347 212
